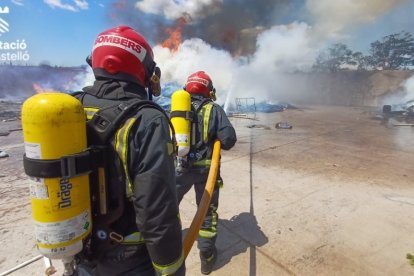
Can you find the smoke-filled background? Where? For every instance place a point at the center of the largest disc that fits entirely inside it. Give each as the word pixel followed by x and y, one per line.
pixel 248 47
pixel 263 49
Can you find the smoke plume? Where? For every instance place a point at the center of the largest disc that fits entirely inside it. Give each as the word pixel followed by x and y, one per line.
pixel 409 89
pixel 231 25
pixel 332 18
pixel 248 47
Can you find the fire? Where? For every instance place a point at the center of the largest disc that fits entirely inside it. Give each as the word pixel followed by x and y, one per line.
pixel 37 88
pixel 174 35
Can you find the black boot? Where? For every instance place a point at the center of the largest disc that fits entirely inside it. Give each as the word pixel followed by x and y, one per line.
pixel 207 261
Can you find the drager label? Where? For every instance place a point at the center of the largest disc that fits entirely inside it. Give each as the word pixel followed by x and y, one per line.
pixel 33 150
pixel 65 193
pixel 62 231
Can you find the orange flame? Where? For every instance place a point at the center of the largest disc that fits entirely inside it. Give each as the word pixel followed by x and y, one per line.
pixel 37 88
pixel 174 35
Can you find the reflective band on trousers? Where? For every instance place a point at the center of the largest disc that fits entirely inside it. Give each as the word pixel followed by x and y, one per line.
pixel 134 238
pixel 207 234
pixel 121 147
pixel 212 231
pixel 203 163
pixel 169 269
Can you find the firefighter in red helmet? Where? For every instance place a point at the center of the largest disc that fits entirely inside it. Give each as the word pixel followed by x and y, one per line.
pixel 140 233
pixel 211 124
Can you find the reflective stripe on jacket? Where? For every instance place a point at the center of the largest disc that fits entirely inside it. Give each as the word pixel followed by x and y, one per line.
pixel 212 124
pixel 120 143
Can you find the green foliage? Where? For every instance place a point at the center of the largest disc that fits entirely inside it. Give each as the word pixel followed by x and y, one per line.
pixel 392 52
pixel 395 51
pixel 360 61
pixel 410 259
pixel 334 58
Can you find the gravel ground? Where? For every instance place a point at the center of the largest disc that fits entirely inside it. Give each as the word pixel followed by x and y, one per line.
pixel 333 195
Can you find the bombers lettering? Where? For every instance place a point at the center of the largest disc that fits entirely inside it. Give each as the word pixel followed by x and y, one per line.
pixel 198 80
pixel 121 42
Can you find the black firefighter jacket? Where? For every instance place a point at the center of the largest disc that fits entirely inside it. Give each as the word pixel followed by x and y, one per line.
pixel 219 127
pixel 150 168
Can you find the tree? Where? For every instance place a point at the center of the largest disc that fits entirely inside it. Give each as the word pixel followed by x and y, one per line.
pixel 334 58
pixel 395 51
pixel 359 61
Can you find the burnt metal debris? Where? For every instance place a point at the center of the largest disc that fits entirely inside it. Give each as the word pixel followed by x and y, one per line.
pixel 401 114
pixel 283 125
pixel 258 126
pixel 9 120
pixel 10 111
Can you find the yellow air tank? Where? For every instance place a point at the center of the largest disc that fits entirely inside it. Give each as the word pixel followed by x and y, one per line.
pixel 54 125
pixel 181 104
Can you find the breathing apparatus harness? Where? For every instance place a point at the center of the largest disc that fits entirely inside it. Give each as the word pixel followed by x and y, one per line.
pixel 101 127
pixel 197 149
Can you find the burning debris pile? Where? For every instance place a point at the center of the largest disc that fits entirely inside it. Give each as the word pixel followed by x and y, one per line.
pixel 9 121
pixel 241 105
pixel 10 111
pixel 20 82
pixel 399 108
pixel 405 109
pixel 402 113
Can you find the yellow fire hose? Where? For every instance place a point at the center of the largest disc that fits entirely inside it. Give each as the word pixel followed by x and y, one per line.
pixel 205 200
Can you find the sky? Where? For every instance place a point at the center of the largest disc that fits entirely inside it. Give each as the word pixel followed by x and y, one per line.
pixel 56 32
pixel 235 41
pixel 61 32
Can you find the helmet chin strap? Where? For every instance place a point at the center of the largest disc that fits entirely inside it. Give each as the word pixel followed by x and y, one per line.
pixel 212 94
pixel 89 60
pixel 155 84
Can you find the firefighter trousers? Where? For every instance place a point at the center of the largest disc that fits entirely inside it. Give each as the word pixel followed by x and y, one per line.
pixel 208 231
pixel 122 260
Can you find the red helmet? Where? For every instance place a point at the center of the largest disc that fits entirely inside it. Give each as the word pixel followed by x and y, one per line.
pixel 199 83
pixel 124 54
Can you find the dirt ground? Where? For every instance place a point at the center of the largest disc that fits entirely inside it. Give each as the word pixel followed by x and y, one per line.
pixel 332 196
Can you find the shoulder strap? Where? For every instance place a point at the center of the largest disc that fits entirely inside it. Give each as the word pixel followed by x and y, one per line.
pixel 103 125
pixel 198 107
pixel 197 129
pixel 78 95
pixel 206 113
pixel 106 121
